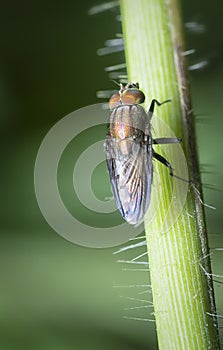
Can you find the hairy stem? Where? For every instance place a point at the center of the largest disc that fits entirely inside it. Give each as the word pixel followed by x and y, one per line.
pixel 175 225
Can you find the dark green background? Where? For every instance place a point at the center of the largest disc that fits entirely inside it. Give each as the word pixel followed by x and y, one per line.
pixel 53 294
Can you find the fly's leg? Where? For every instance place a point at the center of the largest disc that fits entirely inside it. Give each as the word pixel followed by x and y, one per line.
pixel 152 106
pixel 165 162
pixel 162 160
pixel 166 140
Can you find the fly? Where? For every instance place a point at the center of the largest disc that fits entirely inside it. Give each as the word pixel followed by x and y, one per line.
pixel 129 151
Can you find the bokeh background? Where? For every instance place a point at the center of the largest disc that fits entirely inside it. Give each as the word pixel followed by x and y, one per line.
pixel 54 294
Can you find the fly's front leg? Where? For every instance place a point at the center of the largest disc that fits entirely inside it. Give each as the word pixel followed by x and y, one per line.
pixel 152 106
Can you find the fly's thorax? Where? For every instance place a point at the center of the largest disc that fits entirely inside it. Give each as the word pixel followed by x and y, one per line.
pixel 128 121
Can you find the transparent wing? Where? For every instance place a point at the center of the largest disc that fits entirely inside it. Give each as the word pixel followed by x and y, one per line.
pixel 131 178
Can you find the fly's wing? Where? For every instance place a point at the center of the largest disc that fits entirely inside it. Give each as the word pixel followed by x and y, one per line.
pixel 131 178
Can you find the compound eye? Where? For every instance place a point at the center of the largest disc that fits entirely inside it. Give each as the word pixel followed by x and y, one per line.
pixel 114 100
pixel 133 96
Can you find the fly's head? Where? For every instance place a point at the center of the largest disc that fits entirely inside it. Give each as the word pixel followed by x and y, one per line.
pixel 127 95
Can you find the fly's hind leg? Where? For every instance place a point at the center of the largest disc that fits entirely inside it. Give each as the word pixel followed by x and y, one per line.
pixel 165 162
pixel 162 160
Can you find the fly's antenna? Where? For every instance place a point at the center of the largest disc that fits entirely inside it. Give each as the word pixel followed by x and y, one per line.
pixel 116 83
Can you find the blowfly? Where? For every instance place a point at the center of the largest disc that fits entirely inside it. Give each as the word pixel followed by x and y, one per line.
pixel 129 151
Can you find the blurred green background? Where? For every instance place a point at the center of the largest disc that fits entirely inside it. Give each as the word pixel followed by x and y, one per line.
pixel 54 294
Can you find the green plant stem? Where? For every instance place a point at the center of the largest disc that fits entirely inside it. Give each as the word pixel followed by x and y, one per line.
pixel 179 262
